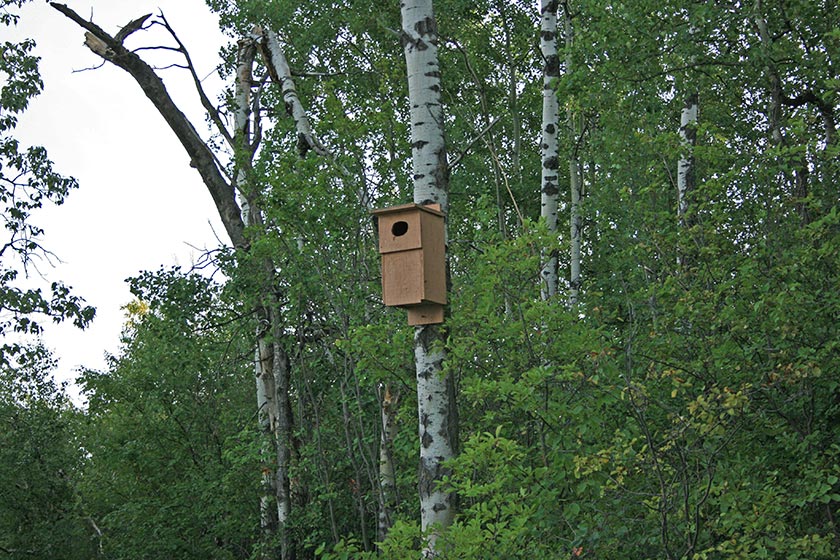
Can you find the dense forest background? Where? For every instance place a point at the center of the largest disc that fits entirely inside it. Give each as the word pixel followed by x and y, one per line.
pixel 678 397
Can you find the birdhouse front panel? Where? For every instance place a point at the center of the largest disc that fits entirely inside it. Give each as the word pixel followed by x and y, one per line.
pixel 400 231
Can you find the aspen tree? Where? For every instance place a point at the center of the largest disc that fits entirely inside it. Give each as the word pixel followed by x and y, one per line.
pixel 437 414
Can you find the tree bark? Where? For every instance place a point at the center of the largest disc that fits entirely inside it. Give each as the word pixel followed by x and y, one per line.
pixel 437 414
pixel 548 144
pixel 575 180
pixel 686 174
pixel 388 402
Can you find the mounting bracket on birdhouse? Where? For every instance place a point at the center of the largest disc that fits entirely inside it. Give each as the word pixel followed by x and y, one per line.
pixel 412 245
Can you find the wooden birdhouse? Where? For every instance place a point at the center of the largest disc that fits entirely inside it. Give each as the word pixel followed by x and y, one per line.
pixel 411 242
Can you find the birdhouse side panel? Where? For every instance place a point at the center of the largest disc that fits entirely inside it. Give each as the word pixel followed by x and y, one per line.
pixel 434 261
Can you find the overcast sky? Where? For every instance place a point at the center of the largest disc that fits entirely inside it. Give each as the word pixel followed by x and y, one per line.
pixel 139 205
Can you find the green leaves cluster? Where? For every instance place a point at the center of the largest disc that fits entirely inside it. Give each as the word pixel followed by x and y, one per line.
pixel 27 182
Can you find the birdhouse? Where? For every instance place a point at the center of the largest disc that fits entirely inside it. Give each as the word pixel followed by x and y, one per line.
pixel 411 242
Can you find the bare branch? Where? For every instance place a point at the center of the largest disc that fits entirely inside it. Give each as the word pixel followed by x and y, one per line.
pixel 211 109
pixel 168 66
pixel 97 67
pixel 455 161
pixel 158 48
pixel 131 27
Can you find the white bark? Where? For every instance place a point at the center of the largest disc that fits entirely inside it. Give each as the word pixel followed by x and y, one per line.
pixel 278 68
pixel 548 143
pixel 575 181
pixel 266 401
pixel 435 391
pixel 388 402
pixel 428 150
pixel 266 413
pixel 281 73
pixel 434 406
pixel 685 165
pixel 242 122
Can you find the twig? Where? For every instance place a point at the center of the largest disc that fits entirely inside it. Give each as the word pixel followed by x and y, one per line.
pixel 479 136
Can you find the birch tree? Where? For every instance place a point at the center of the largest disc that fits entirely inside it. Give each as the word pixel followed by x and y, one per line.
pixel 548 143
pixel 437 414
pixel 575 179
pixel 686 166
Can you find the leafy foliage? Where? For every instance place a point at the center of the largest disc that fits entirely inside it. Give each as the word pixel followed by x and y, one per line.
pixel 40 464
pixel 27 182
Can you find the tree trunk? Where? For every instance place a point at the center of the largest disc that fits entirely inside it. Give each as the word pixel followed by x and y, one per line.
pixel 686 174
pixel 575 180
pixel 283 429
pixel 548 144
pixel 388 402
pixel 267 412
pixel 435 391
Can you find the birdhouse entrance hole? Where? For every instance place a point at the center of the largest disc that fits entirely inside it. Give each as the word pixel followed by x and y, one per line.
pixel 399 228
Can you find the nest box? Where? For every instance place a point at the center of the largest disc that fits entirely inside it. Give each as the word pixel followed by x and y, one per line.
pixel 411 242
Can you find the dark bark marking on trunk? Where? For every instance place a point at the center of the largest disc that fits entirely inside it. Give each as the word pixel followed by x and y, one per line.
pixel 426 26
pixel 550 188
pixel 426 440
pixel 552 66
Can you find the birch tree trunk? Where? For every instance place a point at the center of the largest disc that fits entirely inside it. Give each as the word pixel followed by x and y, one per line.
pixel 388 401
pixel 686 174
pixel 267 412
pixel 436 409
pixel 575 180
pixel 548 144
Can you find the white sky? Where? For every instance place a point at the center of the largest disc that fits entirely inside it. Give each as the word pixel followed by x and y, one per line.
pixel 139 205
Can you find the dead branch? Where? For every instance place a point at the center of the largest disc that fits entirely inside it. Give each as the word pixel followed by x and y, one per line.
pixel 201 156
pixel 134 25
pixel 205 101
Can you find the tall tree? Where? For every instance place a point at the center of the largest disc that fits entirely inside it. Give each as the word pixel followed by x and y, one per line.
pixel 548 144
pixel 436 405
pixel 575 178
pixel 272 364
